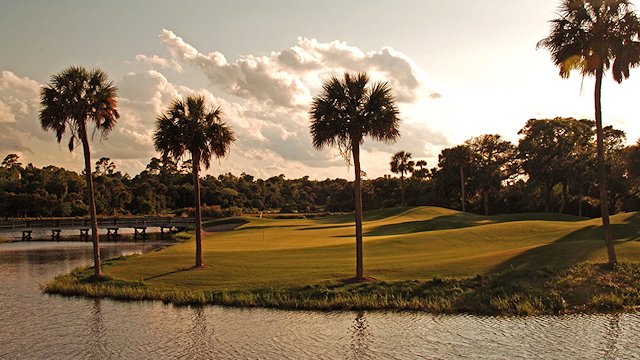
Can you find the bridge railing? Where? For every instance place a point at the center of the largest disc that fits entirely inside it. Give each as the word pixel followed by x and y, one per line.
pixel 58 223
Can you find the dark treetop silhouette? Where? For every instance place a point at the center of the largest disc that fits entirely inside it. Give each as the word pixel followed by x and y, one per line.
pixel 401 163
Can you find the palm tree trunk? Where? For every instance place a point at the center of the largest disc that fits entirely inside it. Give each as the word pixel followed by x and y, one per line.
pixel 195 168
pixel 463 196
pixel 92 202
pixel 401 188
pixel 602 176
pixel 357 188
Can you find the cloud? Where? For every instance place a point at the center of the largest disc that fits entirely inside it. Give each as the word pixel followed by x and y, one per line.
pixel 264 98
pixel 19 104
pixel 19 97
pixel 289 77
pixel 157 61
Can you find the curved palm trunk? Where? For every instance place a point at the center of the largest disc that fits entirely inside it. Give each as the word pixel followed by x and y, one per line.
pixel 463 196
pixel 602 176
pixel 357 188
pixel 92 203
pixel 196 193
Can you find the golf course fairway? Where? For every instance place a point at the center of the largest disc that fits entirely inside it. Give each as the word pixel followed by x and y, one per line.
pixel 424 258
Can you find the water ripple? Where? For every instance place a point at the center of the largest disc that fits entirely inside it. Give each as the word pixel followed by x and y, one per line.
pixel 41 326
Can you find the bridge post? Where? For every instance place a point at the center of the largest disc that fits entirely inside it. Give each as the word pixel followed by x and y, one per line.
pixel 84 234
pixel 139 231
pixel 55 234
pixel 112 233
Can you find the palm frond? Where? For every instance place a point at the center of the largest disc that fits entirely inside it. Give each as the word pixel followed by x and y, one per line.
pixel 191 126
pixel 348 110
pixel 590 35
pixel 74 96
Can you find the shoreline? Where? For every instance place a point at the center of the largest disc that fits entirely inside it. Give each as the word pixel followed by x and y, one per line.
pixel 584 288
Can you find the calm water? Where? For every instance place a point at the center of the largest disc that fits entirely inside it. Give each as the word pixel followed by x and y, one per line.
pixel 34 325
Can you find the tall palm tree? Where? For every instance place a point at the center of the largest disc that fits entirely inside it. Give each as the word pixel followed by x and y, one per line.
pixel 401 163
pixel 594 36
pixel 191 126
pixel 75 97
pixel 347 111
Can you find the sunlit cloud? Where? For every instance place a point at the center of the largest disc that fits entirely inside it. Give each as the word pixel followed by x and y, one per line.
pixel 265 99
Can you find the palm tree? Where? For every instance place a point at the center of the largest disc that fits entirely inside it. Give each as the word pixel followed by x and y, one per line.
pixel 594 36
pixel 345 113
pixel 422 172
pixel 75 97
pixel 401 164
pixel 191 126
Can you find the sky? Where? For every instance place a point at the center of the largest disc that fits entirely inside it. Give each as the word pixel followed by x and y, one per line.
pixel 457 69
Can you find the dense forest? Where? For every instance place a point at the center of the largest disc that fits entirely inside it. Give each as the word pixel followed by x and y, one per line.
pixel 551 169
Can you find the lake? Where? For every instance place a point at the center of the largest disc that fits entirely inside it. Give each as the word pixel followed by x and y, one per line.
pixel 36 325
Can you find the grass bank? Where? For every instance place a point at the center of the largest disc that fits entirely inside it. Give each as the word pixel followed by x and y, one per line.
pixel 581 288
pixel 423 258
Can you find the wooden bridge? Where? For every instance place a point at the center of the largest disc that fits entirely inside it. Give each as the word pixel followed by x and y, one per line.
pixel 83 225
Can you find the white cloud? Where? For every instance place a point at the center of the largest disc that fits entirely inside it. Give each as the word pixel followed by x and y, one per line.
pixel 19 101
pixel 289 77
pixel 265 99
pixel 157 61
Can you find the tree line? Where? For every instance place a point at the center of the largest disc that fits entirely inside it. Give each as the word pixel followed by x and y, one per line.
pixel 551 169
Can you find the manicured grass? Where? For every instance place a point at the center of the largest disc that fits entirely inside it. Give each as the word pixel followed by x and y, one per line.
pixel 401 244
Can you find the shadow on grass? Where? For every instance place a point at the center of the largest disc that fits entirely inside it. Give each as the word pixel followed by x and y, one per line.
pixel 171 272
pixel 264 227
pixel 327 227
pixel 454 221
pixel 633 219
pixel 621 232
pixel 464 220
pixel 560 254
pixel 369 215
pixel 571 249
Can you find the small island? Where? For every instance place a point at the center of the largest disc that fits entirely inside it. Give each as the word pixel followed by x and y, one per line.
pixel 420 258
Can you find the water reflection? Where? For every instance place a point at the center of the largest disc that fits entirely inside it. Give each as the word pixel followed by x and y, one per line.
pixel 35 325
pixel 201 334
pixel 611 337
pixel 360 337
pixel 98 343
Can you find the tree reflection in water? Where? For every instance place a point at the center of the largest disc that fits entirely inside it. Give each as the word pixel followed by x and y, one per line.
pixel 98 341
pixel 612 337
pixel 201 335
pixel 361 337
